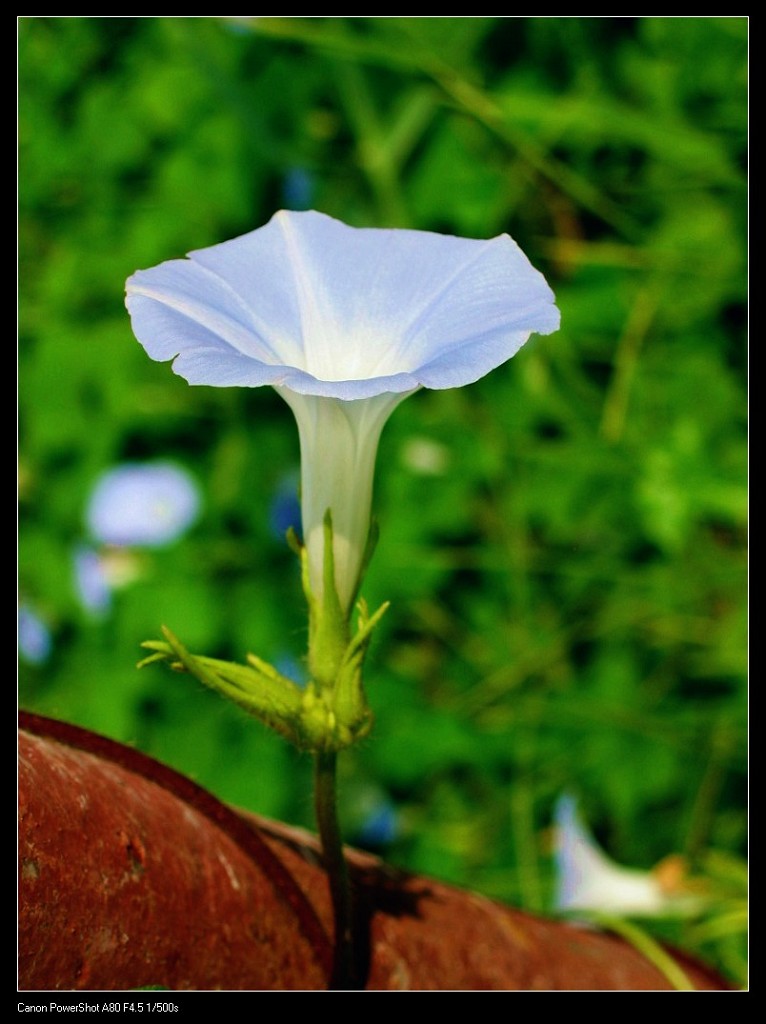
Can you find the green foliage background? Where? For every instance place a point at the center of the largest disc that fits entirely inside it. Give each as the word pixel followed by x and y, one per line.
pixel 563 542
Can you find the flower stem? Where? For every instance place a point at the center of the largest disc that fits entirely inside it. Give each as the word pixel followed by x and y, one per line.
pixel 649 947
pixel 325 798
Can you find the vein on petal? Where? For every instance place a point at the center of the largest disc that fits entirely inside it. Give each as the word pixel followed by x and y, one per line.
pixel 308 313
pixel 219 323
pixel 432 299
pixel 260 327
pixel 520 323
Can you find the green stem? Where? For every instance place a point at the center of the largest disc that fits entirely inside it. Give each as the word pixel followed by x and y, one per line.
pixel 649 947
pixel 325 798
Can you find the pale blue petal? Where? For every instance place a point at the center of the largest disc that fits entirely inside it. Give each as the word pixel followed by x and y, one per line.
pixel 185 297
pixel 351 390
pixel 576 853
pixel 164 332
pixel 203 365
pixel 322 308
pixel 469 361
pixel 368 303
pixel 231 369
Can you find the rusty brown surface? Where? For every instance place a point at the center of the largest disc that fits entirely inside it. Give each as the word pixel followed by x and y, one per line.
pixel 124 885
pixel 131 876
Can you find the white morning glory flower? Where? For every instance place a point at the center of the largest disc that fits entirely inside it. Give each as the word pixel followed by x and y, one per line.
pixel 142 505
pixel 345 323
pixel 586 879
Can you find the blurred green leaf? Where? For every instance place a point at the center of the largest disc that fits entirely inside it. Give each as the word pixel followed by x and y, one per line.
pixel 563 543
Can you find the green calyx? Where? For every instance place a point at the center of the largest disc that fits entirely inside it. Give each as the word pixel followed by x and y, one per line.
pixel 331 711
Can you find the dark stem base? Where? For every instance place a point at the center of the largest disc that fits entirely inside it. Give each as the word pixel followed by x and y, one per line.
pixel 344 973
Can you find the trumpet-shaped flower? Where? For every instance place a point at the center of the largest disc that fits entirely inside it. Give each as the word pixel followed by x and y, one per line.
pixel 344 323
pixel 589 880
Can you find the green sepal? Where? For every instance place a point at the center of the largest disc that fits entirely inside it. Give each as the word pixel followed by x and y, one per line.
pixel 369 550
pixel 293 541
pixel 331 712
pixel 328 624
pixel 258 689
pixel 349 700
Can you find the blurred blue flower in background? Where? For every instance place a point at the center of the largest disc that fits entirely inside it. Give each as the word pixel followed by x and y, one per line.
pixel 35 640
pixel 92 583
pixel 99 573
pixel 380 828
pixel 372 818
pixel 142 505
pixel 132 505
pixel 292 668
pixel 285 507
pixel 239 26
pixel 298 189
pixel 588 880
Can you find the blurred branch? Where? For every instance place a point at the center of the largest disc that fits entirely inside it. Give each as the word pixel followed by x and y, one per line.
pixel 525 841
pixel 376 158
pixel 489 113
pixel 466 97
pixel 650 948
pixel 723 744
pixel 636 328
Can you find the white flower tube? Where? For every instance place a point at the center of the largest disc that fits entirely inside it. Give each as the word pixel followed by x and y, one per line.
pixel 344 322
pixel 586 879
pixel 339 442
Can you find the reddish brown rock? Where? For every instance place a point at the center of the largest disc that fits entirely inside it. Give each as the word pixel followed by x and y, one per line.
pixel 132 876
